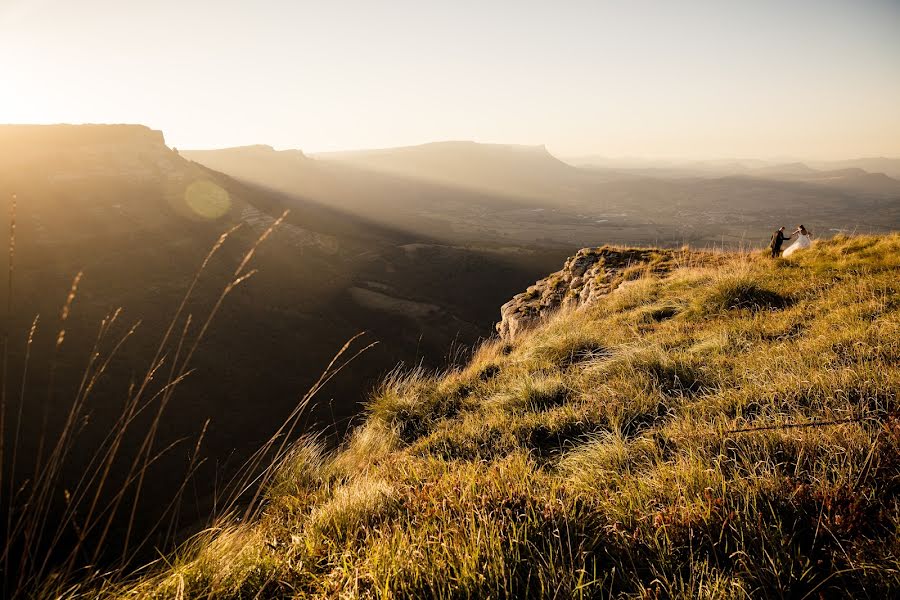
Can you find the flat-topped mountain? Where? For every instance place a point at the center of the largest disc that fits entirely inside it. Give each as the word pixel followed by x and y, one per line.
pixel 235 159
pixel 528 171
pixel 33 138
pixel 453 212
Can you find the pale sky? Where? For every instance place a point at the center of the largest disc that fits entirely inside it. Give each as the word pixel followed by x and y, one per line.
pixel 690 79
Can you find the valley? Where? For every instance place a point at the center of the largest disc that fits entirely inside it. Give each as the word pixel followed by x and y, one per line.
pixel 417 248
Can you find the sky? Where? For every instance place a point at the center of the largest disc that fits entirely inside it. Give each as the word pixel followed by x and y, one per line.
pixel 688 79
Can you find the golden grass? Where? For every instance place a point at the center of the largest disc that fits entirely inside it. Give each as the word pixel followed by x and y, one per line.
pixel 727 431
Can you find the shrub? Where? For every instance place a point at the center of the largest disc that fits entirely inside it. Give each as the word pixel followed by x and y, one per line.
pixel 352 509
pixel 303 470
pixel 412 402
pixel 739 291
pixel 537 393
pixel 370 443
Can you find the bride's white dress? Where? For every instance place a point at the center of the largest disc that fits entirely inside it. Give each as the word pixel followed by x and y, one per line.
pixel 802 242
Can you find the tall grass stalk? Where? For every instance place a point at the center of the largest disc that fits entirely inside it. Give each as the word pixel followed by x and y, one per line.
pixel 4 369
pixel 91 509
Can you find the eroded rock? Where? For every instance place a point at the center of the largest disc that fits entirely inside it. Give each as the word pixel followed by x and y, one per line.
pixel 586 276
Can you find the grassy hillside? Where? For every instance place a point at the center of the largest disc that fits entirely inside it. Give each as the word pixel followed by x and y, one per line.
pixel 136 219
pixel 727 431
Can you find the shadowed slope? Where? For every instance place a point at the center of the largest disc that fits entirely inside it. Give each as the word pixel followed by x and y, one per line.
pixel 137 219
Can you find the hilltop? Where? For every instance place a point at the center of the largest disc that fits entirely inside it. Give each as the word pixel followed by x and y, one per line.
pixel 700 425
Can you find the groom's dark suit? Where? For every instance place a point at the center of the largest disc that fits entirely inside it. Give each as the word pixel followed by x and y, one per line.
pixel 777 240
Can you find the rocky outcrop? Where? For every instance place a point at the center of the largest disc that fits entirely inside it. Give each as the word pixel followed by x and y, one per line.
pixel 591 273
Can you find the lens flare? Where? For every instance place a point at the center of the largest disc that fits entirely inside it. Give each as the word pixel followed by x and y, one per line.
pixel 206 199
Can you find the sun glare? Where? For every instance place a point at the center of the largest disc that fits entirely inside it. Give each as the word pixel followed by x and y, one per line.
pixel 207 200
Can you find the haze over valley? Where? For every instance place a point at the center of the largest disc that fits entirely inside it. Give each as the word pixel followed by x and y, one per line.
pixel 116 204
pixel 412 300
pixel 524 196
pixel 416 246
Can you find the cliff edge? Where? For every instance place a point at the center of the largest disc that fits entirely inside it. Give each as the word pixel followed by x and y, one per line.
pixel 588 275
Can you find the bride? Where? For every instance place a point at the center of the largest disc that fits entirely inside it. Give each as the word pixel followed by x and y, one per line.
pixel 802 242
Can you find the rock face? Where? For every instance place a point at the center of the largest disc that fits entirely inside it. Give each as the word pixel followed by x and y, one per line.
pixel 591 273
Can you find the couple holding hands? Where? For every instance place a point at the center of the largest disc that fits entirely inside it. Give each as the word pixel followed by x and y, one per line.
pixel 778 238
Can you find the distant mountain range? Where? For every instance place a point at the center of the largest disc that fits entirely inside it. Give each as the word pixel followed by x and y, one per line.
pixel 418 246
pixel 517 195
pixel 137 218
pixel 886 166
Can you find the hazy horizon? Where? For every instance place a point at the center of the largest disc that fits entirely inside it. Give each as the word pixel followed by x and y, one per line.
pixel 565 157
pixel 432 299
pixel 649 80
pixel 674 160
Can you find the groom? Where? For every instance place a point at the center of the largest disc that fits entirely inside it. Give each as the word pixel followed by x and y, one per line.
pixel 777 240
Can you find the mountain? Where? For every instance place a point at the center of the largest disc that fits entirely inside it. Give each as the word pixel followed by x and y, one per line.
pixel 672 166
pixel 888 166
pixel 679 424
pixel 796 169
pixel 137 219
pixel 522 171
pixel 445 211
pixel 418 264
pixel 514 199
pixel 850 179
pixel 876 176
